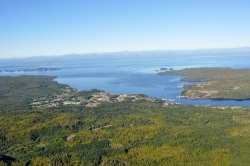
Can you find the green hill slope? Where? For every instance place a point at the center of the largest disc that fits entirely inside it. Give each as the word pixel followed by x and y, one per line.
pixel 129 132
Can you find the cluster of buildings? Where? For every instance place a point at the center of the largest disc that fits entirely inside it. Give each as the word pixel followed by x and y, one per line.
pixel 70 97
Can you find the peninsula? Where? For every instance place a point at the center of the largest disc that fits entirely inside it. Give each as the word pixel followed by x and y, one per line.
pixel 215 83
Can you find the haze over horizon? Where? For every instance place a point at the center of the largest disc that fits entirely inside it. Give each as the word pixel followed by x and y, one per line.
pixel 34 28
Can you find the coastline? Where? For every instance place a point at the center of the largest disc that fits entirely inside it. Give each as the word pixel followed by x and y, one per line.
pixel 215 84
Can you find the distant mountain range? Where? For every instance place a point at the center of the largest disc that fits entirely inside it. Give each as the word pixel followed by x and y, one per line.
pixel 133 55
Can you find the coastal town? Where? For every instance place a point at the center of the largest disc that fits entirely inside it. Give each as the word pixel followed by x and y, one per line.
pixel 71 96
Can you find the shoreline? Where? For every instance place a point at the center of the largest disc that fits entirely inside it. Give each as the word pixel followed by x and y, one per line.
pixel 212 99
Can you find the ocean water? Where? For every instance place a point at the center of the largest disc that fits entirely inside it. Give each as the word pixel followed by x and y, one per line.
pixel 126 76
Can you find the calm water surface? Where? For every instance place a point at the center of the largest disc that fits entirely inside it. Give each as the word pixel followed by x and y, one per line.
pixel 133 75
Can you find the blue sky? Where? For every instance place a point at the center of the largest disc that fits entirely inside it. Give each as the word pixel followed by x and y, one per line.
pixel 57 27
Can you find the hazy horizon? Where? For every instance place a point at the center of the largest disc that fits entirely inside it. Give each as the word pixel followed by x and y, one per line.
pixel 193 51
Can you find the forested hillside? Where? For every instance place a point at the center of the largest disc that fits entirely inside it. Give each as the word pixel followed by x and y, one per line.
pixel 128 132
pixel 17 92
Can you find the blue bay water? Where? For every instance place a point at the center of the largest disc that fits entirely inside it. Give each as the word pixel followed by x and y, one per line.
pixel 134 75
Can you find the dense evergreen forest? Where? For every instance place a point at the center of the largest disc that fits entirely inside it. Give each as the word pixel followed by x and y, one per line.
pixel 219 83
pixel 125 132
pixel 17 92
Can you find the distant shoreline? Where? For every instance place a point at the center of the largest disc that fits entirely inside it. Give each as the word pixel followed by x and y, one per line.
pixel 30 70
pixel 216 83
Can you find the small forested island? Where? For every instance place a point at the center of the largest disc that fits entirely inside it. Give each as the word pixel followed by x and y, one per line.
pixel 30 70
pixel 163 68
pixel 216 83
pixel 46 123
